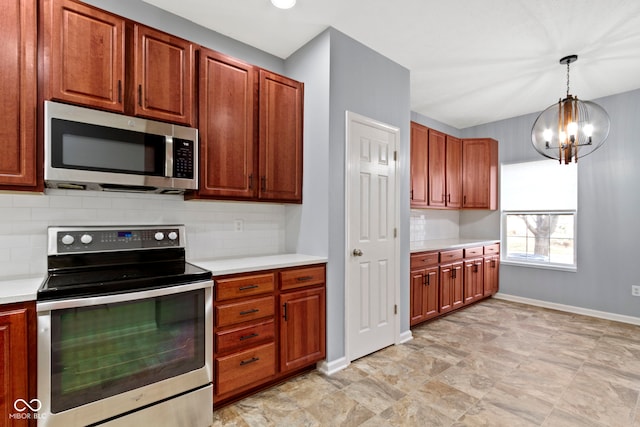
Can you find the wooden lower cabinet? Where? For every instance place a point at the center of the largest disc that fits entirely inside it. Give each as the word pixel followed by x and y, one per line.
pixel 425 285
pixel 491 270
pixel 302 322
pixel 267 326
pixel 473 280
pixel 451 286
pixel 18 356
pixel 443 281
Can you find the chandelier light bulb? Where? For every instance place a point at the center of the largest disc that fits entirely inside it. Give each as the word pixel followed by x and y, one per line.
pixel 547 134
pixel 572 130
pixel 588 130
pixel 283 4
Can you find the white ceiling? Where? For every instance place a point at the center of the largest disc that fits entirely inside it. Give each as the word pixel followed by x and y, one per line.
pixel 471 61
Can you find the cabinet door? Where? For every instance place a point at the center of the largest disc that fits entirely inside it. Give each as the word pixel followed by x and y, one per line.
pixel 491 274
pixel 437 165
pixel 227 127
pixel 417 299
pixel 431 293
pixel 84 55
pixel 480 173
pixel 419 171
pixel 16 360
pixel 18 85
pixel 164 76
pixel 453 172
pixel 302 328
pixel 280 138
pixel 457 285
pixel 447 276
pixel 473 280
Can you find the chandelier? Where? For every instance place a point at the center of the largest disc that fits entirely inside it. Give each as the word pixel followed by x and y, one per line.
pixel 571 128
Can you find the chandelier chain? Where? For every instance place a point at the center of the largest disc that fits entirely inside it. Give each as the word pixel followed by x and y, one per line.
pixel 568 63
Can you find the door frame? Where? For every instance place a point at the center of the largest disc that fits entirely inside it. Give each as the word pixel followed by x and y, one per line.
pixel 349 118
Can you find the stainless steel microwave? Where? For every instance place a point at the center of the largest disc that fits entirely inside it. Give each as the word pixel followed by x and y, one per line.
pixel 96 150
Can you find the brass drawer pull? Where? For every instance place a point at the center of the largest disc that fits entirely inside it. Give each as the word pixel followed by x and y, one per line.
pixel 304 278
pixel 248 361
pixel 253 310
pixel 246 337
pixel 248 287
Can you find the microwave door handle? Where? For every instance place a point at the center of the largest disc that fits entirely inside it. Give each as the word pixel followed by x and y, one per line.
pixel 168 164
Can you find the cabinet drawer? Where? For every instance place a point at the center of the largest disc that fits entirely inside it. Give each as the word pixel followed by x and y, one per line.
pixel 247 336
pixel 302 277
pixel 257 308
pixel 471 252
pixel 247 367
pixel 424 259
pixel 237 287
pixel 451 255
pixel 492 249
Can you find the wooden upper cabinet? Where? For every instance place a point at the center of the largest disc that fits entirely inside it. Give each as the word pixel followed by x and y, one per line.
pixel 164 76
pixel 419 171
pixel 100 60
pixel 280 138
pixel 18 85
pixel 84 50
pixel 480 173
pixel 437 168
pixel 453 172
pixel 227 127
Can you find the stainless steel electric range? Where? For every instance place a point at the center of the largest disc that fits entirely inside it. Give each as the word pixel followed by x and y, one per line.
pixel 124 329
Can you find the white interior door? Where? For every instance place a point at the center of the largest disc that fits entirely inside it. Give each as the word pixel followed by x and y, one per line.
pixel 372 278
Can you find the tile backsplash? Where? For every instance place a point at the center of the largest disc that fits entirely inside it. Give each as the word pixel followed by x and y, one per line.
pixel 434 224
pixel 211 226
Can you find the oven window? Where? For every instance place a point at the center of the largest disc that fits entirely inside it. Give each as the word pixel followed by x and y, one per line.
pixel 98 148
pixel 101 351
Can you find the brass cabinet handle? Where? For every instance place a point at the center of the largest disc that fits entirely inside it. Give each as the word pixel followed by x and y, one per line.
pixel 253 310
pixel 248 287
pixel 304 278
pixel 284 309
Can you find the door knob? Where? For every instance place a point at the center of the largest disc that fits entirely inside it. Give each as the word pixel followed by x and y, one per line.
pixel 357 252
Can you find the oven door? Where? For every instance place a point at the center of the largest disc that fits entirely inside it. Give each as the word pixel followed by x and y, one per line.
pixel 101 357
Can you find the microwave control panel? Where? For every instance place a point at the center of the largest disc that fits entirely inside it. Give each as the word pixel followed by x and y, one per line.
pixel 183 158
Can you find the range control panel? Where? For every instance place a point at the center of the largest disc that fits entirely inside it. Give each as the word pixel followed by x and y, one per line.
pixel 65 240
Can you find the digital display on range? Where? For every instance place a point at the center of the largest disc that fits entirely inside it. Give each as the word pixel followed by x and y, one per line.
pixel 125 234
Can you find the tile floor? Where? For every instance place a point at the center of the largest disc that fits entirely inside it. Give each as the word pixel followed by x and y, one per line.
pixel 495 363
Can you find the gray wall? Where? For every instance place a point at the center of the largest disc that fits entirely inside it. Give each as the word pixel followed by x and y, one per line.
pixel 434 124
pixel 608 206
pixel 152 16
pixel 366 83
pixel 307 225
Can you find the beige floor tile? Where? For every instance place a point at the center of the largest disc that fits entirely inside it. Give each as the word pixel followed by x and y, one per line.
pixel 599 400
pixel 492 364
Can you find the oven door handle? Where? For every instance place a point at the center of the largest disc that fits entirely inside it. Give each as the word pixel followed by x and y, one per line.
pixel 42 306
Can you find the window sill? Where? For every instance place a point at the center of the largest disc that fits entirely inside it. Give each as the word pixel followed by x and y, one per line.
pixel 570 269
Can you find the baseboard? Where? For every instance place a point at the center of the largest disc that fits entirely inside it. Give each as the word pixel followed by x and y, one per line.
pixel 406 336
pixel 570 309
pixel 330 368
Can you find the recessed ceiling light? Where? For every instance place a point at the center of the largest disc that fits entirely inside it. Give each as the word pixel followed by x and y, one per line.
pixel 284 4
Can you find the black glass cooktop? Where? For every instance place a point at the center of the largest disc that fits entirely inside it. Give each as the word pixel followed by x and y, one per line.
pixel 90 275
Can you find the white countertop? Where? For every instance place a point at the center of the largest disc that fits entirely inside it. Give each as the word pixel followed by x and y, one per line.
pixel 25 289
pixel 222 266
pixel 19 290
pixel 434 245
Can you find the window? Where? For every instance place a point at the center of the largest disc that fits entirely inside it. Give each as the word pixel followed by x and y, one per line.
pixel 539 210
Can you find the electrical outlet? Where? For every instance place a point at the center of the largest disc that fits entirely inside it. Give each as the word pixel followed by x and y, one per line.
pixel 635 290
pixel 238 225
